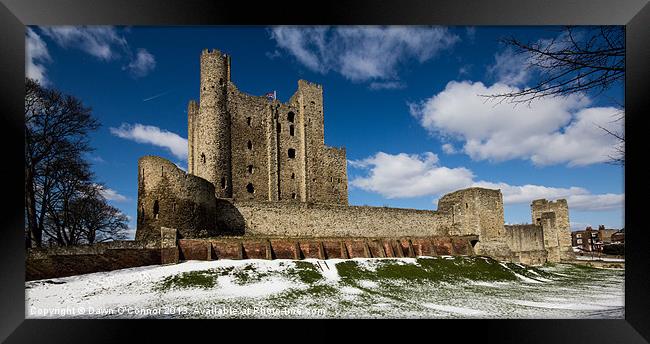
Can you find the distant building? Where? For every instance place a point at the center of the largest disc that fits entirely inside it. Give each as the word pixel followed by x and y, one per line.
pixel 592 240
pixel 619 237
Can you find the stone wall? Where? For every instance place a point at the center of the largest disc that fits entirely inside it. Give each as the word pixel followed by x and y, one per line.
pixel 478 211
pixel 254 166
pixel 553 216
pixel 526 243
pixel 169 197
pixel 321 248
pixel 75 260
pixel 325 220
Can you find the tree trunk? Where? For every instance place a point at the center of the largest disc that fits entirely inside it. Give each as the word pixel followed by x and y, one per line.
pixel 35 233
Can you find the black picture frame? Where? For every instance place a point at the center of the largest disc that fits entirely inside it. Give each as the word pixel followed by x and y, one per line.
pixel 16 14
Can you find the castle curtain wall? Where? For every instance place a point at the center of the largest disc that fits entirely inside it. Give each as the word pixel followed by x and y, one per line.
pixel 286 219
pixel 526 243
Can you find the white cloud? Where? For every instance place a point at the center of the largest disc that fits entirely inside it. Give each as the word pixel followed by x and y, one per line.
pixel 577 197
pixel 414 175
pixel 464 70
pixel 153 135
pixel 448 148
pixel 408 175
pixel 387 85
pixel 130 233
pixel 111 194
pixel 142 65
pixel 361 53
pixel 36 54
pixel 548 131
pixel 102 42
pixel 470 31
pixel 510 68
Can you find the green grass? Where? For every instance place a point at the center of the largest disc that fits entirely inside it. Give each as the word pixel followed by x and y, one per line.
pixel 205 279
pixel 428 269
pixel 306 272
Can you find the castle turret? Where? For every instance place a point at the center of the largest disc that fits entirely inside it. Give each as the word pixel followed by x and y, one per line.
pixel 212 152
pixel 553 216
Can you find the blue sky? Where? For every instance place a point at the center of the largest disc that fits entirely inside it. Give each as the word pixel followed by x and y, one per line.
pixel 404 101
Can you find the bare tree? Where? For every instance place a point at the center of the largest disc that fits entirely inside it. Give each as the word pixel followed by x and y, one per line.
pixel 579 60
pixel 62 202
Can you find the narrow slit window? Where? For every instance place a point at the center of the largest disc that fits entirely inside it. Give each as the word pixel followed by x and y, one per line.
pixel 250 188
pixel 249 145
pixel 293 176
pixel 203 158
pixel 248 121
pixel 291 153
pixel 250 169
pixel 223 182
pixel 290 117
pixel 278 128
pixel 291 131
pixel 156 209
pixel 293 195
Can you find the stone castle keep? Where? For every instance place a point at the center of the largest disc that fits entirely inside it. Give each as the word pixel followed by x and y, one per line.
pixel 261 183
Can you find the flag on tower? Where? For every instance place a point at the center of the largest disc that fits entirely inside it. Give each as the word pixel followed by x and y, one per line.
pixel 271 95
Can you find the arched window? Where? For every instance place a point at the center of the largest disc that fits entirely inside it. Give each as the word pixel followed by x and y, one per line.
pixel 293 195
pixel 250 188
pixel 293 176
pixel 292 153
pixel 291 130
pixel 249 145
pixel 156 209
pixel 290 116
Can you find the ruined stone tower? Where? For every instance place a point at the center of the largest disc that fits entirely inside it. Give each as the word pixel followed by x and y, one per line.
pixel 553 216
pixel 209 136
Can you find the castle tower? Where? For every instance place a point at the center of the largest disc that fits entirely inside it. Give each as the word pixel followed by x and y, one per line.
pixel 478 211
pixel 211 133
pixel 553 216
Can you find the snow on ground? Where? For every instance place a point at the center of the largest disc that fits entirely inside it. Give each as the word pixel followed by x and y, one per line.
pixel 604 259
pixel 431 287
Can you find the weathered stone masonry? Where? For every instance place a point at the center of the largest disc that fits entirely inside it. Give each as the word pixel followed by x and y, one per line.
pixel 254 148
